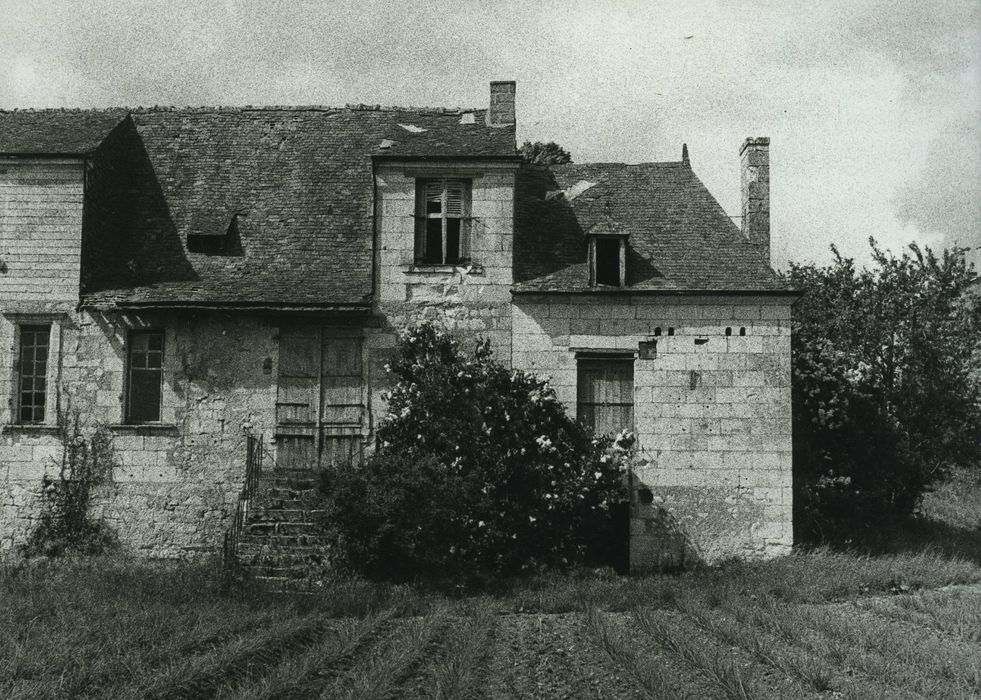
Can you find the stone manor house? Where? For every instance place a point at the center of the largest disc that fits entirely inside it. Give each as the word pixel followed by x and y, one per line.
pixel 190 277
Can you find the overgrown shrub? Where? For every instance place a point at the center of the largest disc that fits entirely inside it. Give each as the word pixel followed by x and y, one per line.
pixel 478 472
pixel 886 392
pixel 65 525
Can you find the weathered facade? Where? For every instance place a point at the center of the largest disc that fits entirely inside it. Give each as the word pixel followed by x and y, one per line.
pixel 192 277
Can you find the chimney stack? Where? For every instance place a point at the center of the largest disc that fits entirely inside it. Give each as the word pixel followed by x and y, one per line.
pixel 755 158
pixel 501 111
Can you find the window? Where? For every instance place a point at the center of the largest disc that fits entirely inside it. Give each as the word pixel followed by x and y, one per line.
pixel 32 373
pixel 442 222
pixel 144 375
pixel 607 256
pixel 606 393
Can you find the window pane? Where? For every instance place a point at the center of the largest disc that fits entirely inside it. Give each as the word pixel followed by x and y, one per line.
pixel 144 396
pixel 32 371
pixel 144 376
pixel 453 241
pixel 434 241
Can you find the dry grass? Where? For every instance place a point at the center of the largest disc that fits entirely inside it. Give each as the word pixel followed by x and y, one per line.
pixel 877 623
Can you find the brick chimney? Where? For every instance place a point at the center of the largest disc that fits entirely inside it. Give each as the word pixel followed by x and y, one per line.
pixel 755 157
pixel 501 111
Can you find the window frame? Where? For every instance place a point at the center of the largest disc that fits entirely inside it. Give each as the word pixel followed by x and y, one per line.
pixel 594 265
pixel 423 216
pixel 605 360
pixel 133 333
pixel 18 405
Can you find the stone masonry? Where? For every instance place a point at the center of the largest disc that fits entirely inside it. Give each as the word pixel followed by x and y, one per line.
pixel 711 411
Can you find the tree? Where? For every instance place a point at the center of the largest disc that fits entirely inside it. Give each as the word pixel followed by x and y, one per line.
pixel 540 153
pixel 479 472
pixel 886 391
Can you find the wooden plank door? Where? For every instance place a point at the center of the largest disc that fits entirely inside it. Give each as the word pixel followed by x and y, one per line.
pixel 341 399
pixel 298 398
pixel 320 398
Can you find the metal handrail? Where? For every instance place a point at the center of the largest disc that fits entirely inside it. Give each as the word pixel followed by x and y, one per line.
pixel 253 469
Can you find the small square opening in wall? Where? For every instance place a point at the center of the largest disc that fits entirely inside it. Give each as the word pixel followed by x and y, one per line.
pixel 647 350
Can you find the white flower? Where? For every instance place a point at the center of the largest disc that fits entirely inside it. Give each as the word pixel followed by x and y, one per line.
pixel 480 523
pixel 598 475
pixel 532 518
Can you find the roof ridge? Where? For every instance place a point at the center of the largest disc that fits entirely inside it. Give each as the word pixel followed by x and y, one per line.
pixel 619 164
pixel 205 109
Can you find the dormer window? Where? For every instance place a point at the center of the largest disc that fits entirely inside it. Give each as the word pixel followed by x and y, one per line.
pixel 442 221
pixel 607 261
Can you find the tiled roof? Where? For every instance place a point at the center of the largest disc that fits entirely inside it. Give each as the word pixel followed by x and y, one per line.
pixel 299 180
pixel 55 131
pixel 680 239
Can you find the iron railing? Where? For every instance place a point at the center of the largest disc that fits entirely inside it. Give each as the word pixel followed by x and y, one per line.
pixel 253 469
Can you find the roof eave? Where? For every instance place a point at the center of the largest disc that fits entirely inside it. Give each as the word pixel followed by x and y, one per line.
pixel 624 291
pixel 336 309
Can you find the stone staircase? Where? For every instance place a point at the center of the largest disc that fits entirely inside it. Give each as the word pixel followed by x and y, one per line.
pixel 282 543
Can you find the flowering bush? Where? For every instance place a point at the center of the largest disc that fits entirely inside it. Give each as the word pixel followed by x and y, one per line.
pixel 478 470
pixel 886 391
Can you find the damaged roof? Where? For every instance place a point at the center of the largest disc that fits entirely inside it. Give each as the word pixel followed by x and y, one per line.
pixel 297 181
pixel 679 238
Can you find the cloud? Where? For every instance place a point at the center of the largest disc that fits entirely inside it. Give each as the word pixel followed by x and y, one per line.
pixel 943 198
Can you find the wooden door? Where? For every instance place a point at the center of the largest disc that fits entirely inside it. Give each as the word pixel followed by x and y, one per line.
pixel 298 398
pixel 341 399
pixel 319 399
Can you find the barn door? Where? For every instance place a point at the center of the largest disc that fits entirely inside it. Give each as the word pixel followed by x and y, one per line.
pixel 341 399
pixel 319 398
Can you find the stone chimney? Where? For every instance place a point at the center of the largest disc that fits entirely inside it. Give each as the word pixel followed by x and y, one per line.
pixel 501 111
pixel 755 157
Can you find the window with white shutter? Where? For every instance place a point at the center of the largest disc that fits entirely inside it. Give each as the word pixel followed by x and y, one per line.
pixel 442 222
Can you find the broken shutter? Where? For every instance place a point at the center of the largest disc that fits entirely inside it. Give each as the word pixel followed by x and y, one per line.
pixel 455 202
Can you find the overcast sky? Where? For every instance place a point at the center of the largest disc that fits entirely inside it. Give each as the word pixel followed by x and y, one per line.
pixel 873 108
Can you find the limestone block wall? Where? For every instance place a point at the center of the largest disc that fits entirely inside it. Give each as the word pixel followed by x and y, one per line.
pixel 40 230
pixel 712 413
pixel 468 301
pixel 175 482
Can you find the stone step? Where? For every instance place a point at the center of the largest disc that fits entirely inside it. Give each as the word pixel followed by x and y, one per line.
pixel 283 541
pixel 279 527
pixel 284 571
pixel 292 515
pixel 282 583
pixel 284 561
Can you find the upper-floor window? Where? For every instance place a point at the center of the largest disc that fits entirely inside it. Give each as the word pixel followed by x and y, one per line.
pixel 442 221
pixel 144 375
pixel 32 373
pixel 607 261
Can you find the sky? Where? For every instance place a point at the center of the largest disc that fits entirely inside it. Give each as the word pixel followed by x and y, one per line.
pixel 873 108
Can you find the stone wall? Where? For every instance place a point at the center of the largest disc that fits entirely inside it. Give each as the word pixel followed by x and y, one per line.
pixel 40 231
pixel 176 482
pixel 711 413
pixel 469 301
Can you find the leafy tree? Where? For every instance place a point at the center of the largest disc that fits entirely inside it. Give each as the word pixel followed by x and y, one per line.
pixel 540 153
pixel 887 396
pixel 478 472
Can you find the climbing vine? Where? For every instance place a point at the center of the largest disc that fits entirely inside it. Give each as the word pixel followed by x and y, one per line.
pixel 65 524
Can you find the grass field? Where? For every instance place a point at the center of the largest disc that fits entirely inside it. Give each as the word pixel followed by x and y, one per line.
pixel 901 621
